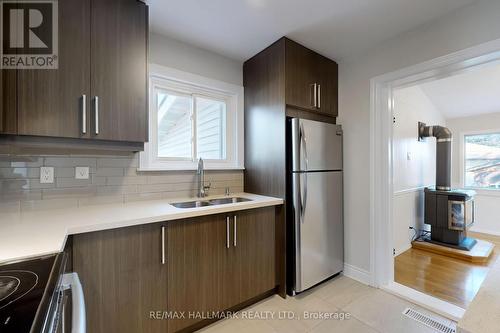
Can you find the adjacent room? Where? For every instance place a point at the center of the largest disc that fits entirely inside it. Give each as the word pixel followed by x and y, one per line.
pixel 468 105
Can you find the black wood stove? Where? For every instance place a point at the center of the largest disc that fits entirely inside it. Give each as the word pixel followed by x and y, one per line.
pixel 449 212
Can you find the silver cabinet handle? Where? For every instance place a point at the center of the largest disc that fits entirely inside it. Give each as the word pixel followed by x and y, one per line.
pixel 235 223
pixel 319 96
pixel 84 114
pixel 227 232
pixel 96 110
pixel 315 95
pixel 163 257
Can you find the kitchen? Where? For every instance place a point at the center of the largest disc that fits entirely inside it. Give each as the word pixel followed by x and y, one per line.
pixel 179 180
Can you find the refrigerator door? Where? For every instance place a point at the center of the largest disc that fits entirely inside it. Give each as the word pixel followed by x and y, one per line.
pixel 319 232
pixel 316 146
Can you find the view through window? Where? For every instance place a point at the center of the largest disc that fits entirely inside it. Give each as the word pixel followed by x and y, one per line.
pixel 190 127
pixel 482 160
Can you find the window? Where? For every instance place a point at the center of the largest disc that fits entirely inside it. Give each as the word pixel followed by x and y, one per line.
pixel 178 115
pixel 192 117
pixel 482 160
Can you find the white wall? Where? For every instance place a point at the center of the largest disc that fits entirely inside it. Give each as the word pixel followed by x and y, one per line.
pixel 487 201
pixel 414 162
pixel 418 169
pixel 458 30
pixel 172 53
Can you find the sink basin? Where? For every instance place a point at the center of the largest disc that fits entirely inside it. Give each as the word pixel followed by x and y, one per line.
pixel 224 201
pixel 213 202
pixel 191 204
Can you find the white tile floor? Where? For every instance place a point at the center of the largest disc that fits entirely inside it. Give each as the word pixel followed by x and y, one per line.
pixel 370 310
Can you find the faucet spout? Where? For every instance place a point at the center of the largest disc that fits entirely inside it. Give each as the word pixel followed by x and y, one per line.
pixel 202 189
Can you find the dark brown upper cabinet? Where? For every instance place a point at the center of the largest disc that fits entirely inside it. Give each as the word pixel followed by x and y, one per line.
pixel 51 102
pixel 8 118
pixel 311 80
pixel 99 90
pixel 119 36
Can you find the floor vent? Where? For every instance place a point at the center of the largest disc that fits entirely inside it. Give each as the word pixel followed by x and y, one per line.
pixel 434 323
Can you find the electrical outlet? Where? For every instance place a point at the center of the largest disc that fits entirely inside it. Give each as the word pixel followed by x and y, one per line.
pixel 81 172
pixel 46 175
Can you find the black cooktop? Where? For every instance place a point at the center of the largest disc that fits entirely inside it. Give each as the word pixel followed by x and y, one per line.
pixel 22 288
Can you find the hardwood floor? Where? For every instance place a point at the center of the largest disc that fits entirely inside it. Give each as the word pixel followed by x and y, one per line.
pixel 453 280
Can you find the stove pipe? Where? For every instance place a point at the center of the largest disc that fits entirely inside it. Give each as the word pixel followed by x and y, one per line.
pixel 443 153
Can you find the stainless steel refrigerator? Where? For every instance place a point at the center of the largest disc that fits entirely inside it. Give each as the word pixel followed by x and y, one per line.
pixel 316 175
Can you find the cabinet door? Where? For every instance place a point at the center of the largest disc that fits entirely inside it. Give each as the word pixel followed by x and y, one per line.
pixel 8 112
pixel 123 279
pixel 119 34
pixel 195 248
pixel 300 75
pixel 328 86
pixel 50 101
pixel 256 247
pixel 230 279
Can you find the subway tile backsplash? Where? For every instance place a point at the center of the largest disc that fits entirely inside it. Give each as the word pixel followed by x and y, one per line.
pixel 112 180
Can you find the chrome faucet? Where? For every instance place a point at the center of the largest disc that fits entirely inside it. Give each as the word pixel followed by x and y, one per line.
pixel 202 189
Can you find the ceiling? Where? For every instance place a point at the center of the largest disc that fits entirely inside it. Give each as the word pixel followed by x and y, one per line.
pixel 239 29
pixel 471 93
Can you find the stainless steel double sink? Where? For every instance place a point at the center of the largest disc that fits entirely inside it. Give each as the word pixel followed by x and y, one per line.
pixel 212 202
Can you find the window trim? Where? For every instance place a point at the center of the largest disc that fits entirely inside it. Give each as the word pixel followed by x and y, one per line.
pixel 480 190
pixel 172 79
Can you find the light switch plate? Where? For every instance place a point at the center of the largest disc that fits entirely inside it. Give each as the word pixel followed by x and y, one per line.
pixel 81 172
pixel 46 175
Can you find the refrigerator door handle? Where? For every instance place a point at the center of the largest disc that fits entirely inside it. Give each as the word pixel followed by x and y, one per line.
pixel 303 141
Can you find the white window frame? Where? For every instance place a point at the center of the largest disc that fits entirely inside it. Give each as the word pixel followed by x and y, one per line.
pixel 165 78
pixel 480 190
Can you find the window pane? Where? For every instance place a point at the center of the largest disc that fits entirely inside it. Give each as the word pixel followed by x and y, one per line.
pixel 210 128
pixel 174 125
pixel 482 160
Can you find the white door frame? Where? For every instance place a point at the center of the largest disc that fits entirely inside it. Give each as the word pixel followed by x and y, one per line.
pixel 381 164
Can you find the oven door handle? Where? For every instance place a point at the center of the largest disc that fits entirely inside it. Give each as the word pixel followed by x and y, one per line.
pixel 71 281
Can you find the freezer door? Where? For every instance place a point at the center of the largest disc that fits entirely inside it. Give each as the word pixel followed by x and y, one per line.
pixel 316 145
pixel 319 232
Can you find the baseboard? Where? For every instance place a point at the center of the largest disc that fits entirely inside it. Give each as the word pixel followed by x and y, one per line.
pixel 485 231
pixel 357 274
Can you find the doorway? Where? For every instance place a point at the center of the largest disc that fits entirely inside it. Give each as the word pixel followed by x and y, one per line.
pixel 382 164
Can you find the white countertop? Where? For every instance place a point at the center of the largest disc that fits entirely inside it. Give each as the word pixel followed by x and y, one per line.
pixel 36 233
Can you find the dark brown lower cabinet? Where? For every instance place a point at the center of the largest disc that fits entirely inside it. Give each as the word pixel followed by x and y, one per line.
pixel 212 264
pixel 256 247
pixel 195 248
pixel 218 262
pixel 123 279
